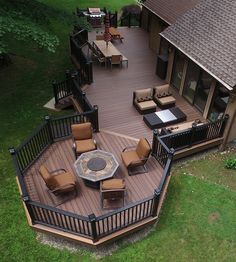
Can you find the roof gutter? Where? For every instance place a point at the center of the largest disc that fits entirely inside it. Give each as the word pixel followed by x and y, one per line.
pixel 203 67
pixel 157 15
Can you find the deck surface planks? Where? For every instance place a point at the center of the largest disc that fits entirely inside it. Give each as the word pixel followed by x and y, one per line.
pixel 87 201
pixel 120 126
pixel 112 90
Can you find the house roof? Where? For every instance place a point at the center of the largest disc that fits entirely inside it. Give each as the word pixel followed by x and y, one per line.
pixel 207 35
pixel 169 10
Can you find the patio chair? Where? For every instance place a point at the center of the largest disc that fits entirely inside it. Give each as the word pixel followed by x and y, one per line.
pixel 99 37
pixel 136 157
pixel 83 138
pixel 112 190
pixel 58 181
pixel 97 55
pixel 163 97
pixel 143 102
pixel 115 60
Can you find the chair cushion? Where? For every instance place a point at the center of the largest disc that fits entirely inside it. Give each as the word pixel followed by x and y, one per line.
pixel 113 183
pixel 85 145
pixel 143 93
pixel 166 100
pixel 161 90
pixel 63 179
pixel 82 131
pixel 143 148
pixel 129 156
pixel 44 173
pixel 146 105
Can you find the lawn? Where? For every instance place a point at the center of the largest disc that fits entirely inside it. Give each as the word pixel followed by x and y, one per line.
pixel 197 219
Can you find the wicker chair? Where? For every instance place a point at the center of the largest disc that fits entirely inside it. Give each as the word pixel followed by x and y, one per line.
pixel 58 181
pixel 83 138
pixel 143 102
pixel 163 97
pixel 112 190
pixel 136 157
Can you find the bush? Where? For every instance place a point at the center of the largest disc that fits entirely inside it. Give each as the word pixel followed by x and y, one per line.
pixel 230 163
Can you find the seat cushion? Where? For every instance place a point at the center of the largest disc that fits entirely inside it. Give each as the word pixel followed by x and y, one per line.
pixel 63 179
pixel 114 183
pixel 143 93
pixel 82 131
pixel 166 100
pixel 146 105
pixel 129 156
pixel 85 145
pixel 143 148
pixel 161 90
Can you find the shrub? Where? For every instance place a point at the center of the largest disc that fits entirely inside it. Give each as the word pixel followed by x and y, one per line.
pixel 230 163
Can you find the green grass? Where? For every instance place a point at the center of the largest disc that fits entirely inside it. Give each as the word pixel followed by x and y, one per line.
pixel 196 223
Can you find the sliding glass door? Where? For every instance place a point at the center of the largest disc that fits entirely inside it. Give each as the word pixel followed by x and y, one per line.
pixel 177 71
pixel 197 86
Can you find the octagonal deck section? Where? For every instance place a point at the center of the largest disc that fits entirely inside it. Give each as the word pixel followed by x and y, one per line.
pixel 87 200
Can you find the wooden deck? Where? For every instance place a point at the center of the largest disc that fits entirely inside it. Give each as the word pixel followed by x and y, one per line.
pixel 112 90
pixel 87 201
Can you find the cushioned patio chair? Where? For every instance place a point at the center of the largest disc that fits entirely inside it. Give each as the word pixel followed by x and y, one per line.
pixel 136 156
pixel 163 97
pixel 58 181
pixel 143 102
pixel 112 190
pixel 115 60
pixel 83 138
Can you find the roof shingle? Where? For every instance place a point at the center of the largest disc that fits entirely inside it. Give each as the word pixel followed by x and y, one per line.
pixel 207 34
pixel 170 10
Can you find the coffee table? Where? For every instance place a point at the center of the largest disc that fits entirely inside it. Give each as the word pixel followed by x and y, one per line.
pixel 94 166
pixel 163 118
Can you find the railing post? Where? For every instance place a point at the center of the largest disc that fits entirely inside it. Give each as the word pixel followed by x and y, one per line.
pixel 224 122
pixel 194 125
pixel 26 200
pixel 95 118
pixel 92 219
pixel 68 81
pixel 156 201
pixel 129 20
pixel 54 85
pixel 170 158
pixel 116 17
pixel 83 99
pixel 48 121
pixel 154 141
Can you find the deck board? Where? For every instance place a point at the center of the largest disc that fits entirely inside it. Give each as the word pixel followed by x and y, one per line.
pixel 60 155
pixel 112 90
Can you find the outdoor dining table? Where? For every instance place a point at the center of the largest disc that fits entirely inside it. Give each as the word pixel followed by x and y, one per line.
pixel 107 49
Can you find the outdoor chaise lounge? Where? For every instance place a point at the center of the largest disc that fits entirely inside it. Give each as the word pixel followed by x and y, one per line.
pixel 83 138
pixel 112 190
pixel 142 100
pixel 163 97
pixel 137 157
pixel 58 181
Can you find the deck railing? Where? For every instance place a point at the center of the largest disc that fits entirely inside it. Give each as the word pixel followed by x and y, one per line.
pixel 195 135
pixel 84 64
pixel 131 20
pixel 90 227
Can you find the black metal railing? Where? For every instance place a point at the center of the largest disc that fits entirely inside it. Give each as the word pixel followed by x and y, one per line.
pixel 195 135
pixel 130 20
pixel 81 61
pixel 91 227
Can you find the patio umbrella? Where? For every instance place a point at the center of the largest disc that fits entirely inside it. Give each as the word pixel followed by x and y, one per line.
pixel 107 35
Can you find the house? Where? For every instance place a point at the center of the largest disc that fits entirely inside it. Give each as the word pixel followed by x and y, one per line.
pixel 200 50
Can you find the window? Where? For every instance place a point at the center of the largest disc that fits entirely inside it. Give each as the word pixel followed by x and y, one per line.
pixel 191 81
pixel 202 91
pixel 177 71
pixel 219 103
